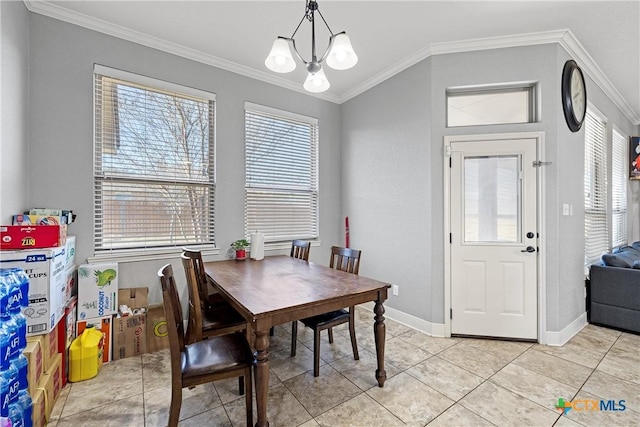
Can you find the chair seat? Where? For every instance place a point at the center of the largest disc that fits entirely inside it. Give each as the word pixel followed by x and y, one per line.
pixel 217 354
pixel 222 316
pixel 337 317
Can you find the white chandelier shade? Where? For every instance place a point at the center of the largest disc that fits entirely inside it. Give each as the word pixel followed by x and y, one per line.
pixel 339 54
pixel 316 82
pixel 280 59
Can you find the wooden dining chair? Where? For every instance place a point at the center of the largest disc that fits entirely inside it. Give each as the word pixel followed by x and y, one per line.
pixel 300 249
pixel 207 318
pixel 213 359
pixel 344 259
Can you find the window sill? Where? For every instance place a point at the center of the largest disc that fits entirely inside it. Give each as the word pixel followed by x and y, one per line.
pixel 135 255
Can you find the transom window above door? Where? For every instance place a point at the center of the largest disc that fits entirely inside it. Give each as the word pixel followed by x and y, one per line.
pixel 493 105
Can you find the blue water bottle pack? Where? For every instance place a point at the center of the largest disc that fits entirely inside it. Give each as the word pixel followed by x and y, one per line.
pixel 16 406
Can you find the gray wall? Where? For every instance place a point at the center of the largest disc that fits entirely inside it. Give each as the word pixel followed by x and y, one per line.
pixel 388 187
pixel 61 140
pixel 392 140
pixel 14 90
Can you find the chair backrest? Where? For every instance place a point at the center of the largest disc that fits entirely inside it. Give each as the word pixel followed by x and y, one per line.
pixel 195 260
pixel 173 316
pixel 300 249
pixel 345 259
pixel 196 304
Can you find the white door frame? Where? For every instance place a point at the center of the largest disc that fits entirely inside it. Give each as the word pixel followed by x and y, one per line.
pixel 541 226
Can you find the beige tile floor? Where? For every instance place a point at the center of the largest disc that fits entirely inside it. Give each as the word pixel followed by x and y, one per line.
pixel 430 381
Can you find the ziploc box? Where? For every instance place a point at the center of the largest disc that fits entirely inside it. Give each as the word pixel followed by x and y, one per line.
pixel 32 236
pixel 47 285
pixel 97 290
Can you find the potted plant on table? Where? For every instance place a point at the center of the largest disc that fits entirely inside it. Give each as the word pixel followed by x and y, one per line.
pixel 241 249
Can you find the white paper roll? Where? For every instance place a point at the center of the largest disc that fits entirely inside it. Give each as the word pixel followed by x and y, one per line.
pixel 257 246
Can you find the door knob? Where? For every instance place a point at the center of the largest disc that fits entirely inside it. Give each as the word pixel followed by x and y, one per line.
pixel 529 249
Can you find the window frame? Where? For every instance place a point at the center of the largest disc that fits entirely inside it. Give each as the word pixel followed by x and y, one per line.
pixel 531 88
pixel 274 239
pixel 595 187
pixel 619 187
pixel 159 86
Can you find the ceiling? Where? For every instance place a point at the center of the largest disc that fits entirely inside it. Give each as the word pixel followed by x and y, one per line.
pixel 388 36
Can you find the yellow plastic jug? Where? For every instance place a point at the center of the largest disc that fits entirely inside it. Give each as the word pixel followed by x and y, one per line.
pixel 85 355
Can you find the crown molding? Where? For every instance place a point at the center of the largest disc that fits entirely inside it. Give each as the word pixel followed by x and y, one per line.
pixel 91 23
pixel 571 44
pixel 563 37
pixel 456 47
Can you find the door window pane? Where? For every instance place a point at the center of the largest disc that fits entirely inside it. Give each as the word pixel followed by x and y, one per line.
pixel 491 199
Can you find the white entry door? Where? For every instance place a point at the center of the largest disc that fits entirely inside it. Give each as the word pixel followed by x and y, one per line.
pixel 494 238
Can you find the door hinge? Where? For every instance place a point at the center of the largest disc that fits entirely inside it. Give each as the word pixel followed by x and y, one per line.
pixel 451 313
pixel 449 162
pixel 450 238
pixel 538 163
pixel 447 151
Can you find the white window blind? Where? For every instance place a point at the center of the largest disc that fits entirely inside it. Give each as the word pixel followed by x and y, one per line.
pixel 596 236
pixel 281 174
pixel 619 189
pixel 153 163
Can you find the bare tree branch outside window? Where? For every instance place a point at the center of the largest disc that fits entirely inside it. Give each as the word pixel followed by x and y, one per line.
pixel 155 186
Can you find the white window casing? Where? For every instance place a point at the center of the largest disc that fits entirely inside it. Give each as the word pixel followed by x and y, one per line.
pixel 619 179
pixel 281 174
pixel 154 160
pixel 595 188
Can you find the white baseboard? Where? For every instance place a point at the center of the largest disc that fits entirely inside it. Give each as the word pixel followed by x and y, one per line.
pixel 433 329
pixel 553 338
pixel 562 337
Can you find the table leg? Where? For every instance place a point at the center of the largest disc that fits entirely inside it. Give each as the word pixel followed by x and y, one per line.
pixel 262 376
pixel 379 332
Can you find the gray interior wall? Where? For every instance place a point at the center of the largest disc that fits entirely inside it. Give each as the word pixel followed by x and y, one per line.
pixel 14 148
pixel 387 185
pixel 393 168
pixel 61 139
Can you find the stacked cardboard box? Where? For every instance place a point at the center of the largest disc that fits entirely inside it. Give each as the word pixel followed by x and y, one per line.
pixel 97 290
pixel 157 333
pixel 46 376
pixel 47 285
pixel 130 335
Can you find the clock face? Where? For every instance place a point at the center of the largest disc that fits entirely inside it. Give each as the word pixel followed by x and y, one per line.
pixel 578 98
pixel 574 95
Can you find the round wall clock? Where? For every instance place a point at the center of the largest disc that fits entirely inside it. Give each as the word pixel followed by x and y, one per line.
pixel 574 95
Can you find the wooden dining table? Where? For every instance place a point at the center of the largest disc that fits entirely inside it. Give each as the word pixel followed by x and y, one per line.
pixel 281 289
